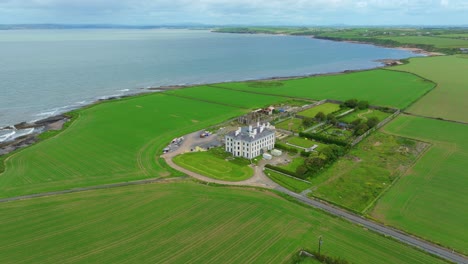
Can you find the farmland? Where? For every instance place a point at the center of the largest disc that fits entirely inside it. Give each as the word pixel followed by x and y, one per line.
pixel 110 142
pixel 398 90
pixel 356 180
pixel 227 97
pixel 430 200
pixel 448 99
pixel 182 223
pixel 214 165
pixel 435 41
pixel 326 108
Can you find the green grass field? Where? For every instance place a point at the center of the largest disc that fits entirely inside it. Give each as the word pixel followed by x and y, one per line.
pixel 430 200
pixel 364 115
pixel 228 97
pixel 292 124
pixel 292 166
pixel 356 180
pixel 287 182
pixel 435 41
pixel 326 108
pixel 182 223
pixel 379 87
pixel 215 166
pixel 304 142
pixel 448 99
pixel 110 142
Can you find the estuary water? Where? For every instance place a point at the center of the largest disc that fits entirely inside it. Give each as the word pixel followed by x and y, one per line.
pixel 46 72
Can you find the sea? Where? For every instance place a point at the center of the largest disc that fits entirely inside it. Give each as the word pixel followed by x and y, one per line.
pixel 48 72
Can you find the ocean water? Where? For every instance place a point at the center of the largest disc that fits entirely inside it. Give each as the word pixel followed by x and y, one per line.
pixel 46 72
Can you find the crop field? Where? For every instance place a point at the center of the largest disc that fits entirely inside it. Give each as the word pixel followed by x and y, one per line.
pixel 430 200
pixel 356 180
pixel 287 182
pixel 215 166
pixel 435 41
pixel 326 108
pixel 110 142
pixel 448 99
pixel 364 115
pixel 292 124
pixel 304 142
pixel 379 87
pixel 182 223
pixel 227 97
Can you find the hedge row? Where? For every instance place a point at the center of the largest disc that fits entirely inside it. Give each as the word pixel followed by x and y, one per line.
pixel 287 148
pixel 285 171
pixel 325 139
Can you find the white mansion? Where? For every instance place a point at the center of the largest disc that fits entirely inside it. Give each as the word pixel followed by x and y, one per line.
pixel 250 142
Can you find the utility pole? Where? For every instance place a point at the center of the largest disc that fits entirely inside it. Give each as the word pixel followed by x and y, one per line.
pixel 319 244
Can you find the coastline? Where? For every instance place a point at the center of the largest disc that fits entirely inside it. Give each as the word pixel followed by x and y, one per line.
pixel 57 121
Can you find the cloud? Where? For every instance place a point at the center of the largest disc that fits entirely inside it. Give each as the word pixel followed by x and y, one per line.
pixel 229 11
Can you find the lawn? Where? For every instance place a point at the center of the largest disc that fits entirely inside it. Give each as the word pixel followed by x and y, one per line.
pixel 430 200
pixel 228 97
pixel 292 124
pixel 326 108
pixel 182 223
pixel 292 166
pixel 215 166
pixel 304 142
pixel 110 142
pixel 287 182
pixel 364 115
pixel 379 87
pixel 448 99
pixel 357 179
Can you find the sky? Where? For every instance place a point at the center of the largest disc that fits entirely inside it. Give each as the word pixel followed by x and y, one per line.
pixel 236 12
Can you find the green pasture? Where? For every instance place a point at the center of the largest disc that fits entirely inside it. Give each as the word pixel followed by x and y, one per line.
pixel 287 182
pixel 379 87
pixel 304 142
pixel 430 200
pixel 326 108
pixel 448 99
pixel 227 97
pixel 215 166
pixel 357 179
pixel 291 124
pixel 428 40
pixel 111 142
pixel 182 223
pixel 364 115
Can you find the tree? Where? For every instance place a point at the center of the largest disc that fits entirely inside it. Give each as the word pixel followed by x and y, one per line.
pixel 315 163
pixel 351 103
pixel 320 116
pixel 356 122
pixel 301 170
pixel 360 129
pixel 372 122
pixel 363 105
pixel 332 119
pixel 307 122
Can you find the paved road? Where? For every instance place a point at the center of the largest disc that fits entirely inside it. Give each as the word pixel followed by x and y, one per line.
pixel 399 235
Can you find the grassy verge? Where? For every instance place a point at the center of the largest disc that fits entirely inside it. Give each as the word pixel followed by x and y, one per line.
pixel 287 182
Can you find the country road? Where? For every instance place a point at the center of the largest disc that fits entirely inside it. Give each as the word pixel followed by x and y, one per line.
pixel 379 228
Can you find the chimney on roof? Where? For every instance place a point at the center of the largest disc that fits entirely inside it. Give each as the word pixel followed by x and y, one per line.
pixel 250 129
